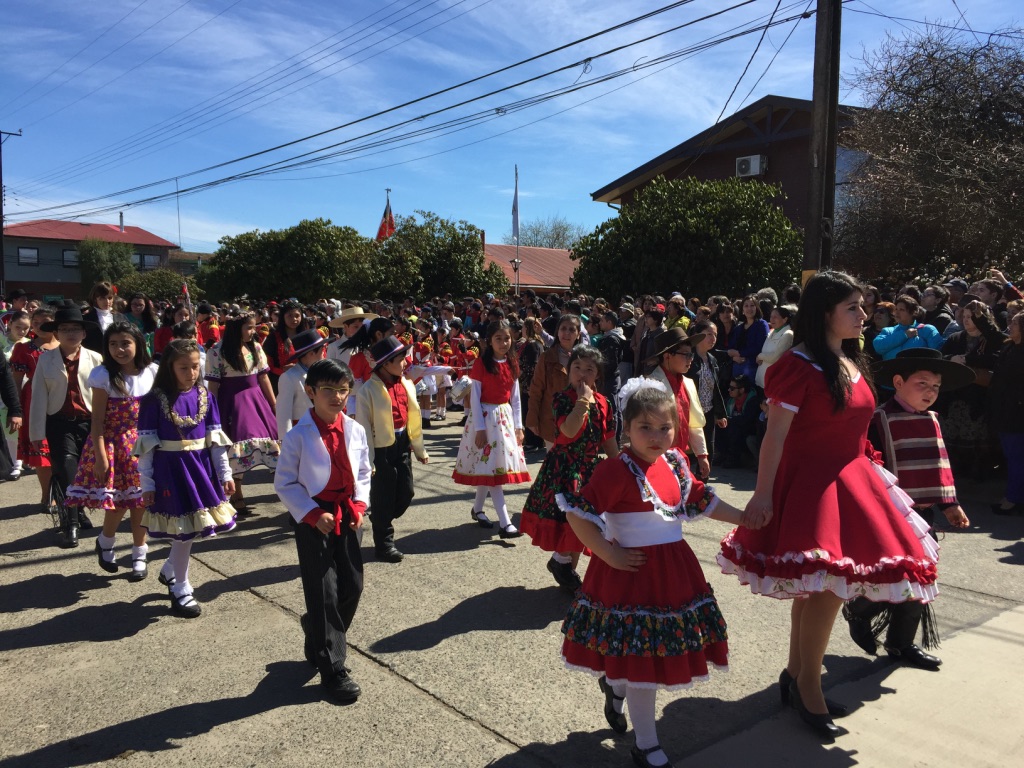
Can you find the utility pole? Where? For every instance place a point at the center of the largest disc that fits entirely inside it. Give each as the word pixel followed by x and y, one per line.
pixel 3 255
pixel 821 198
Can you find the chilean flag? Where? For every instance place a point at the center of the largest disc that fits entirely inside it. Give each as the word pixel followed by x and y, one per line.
pixel 387 223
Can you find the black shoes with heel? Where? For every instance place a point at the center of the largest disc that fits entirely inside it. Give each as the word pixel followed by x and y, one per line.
pixel 821 724
pixel 616 720
pixel 835 709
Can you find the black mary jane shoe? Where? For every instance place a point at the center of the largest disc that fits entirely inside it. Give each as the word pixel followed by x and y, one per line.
pixel 915 656
pixel 821 724
pixel 107 565
pixel 565 576
pixel 510 532
pixel 616 720
pixel 185 606
pixel 138 574
pixel 166 581
pixel 835 709
pixel 481 519
pixel 640 757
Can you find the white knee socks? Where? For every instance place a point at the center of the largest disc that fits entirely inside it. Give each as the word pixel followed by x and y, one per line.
pixel 178 561
pixel 641 703
pixel 498 497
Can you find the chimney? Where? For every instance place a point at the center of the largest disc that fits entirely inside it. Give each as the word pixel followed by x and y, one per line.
pixel 483 240
pixel 121 216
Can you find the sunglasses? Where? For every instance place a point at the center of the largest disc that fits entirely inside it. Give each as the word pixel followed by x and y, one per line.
pixel 687 355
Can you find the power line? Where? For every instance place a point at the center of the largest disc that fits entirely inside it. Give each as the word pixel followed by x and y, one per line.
pixel 434 94
pixel 1015 35
pixel 806 14
pixel 963 18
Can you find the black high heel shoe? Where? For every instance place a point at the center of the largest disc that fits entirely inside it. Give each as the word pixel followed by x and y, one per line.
pixel 616 720
pixel 821 723
pixel 835 709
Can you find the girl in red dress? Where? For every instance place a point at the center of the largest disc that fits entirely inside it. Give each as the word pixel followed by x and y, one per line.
pixel 23 364
pixel 491 451
pixel 645 617
pixel 836 526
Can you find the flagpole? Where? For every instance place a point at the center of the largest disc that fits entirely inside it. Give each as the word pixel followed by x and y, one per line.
pixel 515 230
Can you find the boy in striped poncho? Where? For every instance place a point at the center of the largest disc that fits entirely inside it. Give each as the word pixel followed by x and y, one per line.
pixel 909 439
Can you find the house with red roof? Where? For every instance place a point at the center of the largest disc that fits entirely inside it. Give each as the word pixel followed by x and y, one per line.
pixel 42 256
pixel 543 269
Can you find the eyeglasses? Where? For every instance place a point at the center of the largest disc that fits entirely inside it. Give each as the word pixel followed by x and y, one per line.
pixel 687 355
pixel 337 391
pixel 733 388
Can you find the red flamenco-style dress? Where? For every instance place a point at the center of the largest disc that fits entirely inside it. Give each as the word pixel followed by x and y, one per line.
pixel 840 522
pixel 566 469
pixel 24 359
pixel 659 627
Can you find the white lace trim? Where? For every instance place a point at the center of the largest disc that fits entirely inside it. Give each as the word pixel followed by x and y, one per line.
pixel 650 686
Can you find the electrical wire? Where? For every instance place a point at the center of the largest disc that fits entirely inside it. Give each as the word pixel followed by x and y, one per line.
pixel 806 14
pixel 1014 35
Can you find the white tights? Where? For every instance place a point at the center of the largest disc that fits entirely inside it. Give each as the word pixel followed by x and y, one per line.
pixel 641 705
pixel 177 567
pixel 498 497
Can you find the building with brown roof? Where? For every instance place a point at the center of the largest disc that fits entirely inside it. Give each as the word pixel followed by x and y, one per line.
pixel 542 269
pixel 42 256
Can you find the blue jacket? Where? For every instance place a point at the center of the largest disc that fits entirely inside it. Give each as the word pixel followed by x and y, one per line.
pixel 891 341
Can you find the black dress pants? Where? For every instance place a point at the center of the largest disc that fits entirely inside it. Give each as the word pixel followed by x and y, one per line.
pixel 391 489
pixel 66 437
pixel 331 569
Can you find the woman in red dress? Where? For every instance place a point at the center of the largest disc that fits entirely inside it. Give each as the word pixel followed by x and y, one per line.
pixel 23 364
pixel 838 527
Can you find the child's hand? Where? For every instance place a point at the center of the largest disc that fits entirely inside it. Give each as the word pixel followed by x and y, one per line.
pixel 520 436
pixel 481 438
pixel 148 498
pixel 584 392
pixel 101 467
pixel 623 559
pixel 704 467
pixel 424 460
pixel 956 516
pixel 325 523
pixel 229 487
pixel 13 423
pixel 758 512
pixel 721 423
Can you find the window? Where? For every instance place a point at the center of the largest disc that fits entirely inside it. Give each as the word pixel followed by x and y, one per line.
pixel 28 257
pixel 150 261
pixel 70 258
pixel 136 260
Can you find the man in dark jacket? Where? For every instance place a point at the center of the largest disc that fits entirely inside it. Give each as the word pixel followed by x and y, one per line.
pixel 613 346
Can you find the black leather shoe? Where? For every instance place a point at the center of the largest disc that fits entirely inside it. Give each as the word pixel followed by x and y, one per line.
pixel 640 757
pixel 185 606
pixel 83 520
pixel 822 724
pixel 510 532
pixel 109 567
pixel 389 554
pixel 616 720
pixel 915 656
pixel 342 688
pixel 138 574
pixel 861 634
pixel 69 537
pixel 481 519
pixel 834 708
pixel 566 577
pixel 167 582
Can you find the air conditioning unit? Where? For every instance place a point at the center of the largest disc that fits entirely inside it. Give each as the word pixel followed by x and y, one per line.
pixel 751 165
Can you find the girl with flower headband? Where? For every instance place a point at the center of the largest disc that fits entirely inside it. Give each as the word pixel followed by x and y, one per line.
pixel 183 463
pixel 645 617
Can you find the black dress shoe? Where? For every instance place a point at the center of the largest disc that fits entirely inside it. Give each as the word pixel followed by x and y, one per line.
pixel 640 757
pixel 69 537
pixel 108 566
pixel 342 688
pixel 510 532
pixel 185 606
pixel 481 519
pixel 616 720
pixel 389 554
pixel 566 577
pixel 83 520
pixel 915 656
pixel 822 724
pixel 834 708
pixel 138 574
pixel 861 634
pixel 166 581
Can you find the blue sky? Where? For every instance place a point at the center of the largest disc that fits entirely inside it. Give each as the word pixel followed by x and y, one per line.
pixel 129 92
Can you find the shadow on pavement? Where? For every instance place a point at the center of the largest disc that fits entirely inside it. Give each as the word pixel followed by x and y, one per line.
pixel 49 591
pixel 282 686
pixel 503 609
pixel 263 577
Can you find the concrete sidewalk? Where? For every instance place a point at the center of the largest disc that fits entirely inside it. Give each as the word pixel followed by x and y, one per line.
pixel 457 652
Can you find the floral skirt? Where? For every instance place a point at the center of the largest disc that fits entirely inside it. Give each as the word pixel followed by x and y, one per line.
pixel 566 469
pixel 251 453
pixel 501 461
pixel 659 627
pixel 121 487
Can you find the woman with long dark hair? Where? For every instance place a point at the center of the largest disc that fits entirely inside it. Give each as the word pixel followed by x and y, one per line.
pixel 836 525
pixel 237 375
pixel 278 345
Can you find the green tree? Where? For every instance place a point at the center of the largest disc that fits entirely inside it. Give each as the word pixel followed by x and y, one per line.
pixel 449 254
pixel 697 237
pixel 313 259
pixel 555 231
pixel 100 261
pixel 939 194
pixel 159 284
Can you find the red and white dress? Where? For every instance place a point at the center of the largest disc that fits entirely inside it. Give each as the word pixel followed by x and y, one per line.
pixel 840 523
pixel 496 410
pixel 659 627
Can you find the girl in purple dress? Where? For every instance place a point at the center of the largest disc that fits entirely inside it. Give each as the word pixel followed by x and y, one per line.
pixel 237 373
pixel 183 465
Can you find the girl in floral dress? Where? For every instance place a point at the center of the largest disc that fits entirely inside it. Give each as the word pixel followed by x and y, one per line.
pixel 586 427
pixel 237 373
pixel 645 617
pixel 23 365
pixel 108 472
pixel 183 466
pixel 491 451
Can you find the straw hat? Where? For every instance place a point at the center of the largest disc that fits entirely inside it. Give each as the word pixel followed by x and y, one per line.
pixel 351 313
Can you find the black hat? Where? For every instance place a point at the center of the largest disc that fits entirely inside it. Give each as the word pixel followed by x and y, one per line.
pixel 304 342
pixel 387 349
pixel 68 314
pixel 909 361
pixel 17 293
pixel 961 285
pixel 204 309
pixel 672 338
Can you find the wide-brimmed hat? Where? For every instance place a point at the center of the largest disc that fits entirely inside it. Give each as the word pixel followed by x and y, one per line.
pixel 306 341
pixel 17 293
pixel 351 313
pixel 67 315
pixel 387 349
pixel 910 361
pixel 671 339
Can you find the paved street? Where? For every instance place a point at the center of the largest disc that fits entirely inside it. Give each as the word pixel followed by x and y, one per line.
pixel 457 652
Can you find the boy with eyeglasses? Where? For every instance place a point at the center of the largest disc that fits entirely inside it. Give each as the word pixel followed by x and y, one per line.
pixel 323 478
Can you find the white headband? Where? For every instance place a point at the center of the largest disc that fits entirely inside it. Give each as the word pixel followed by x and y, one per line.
pixel 634 385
